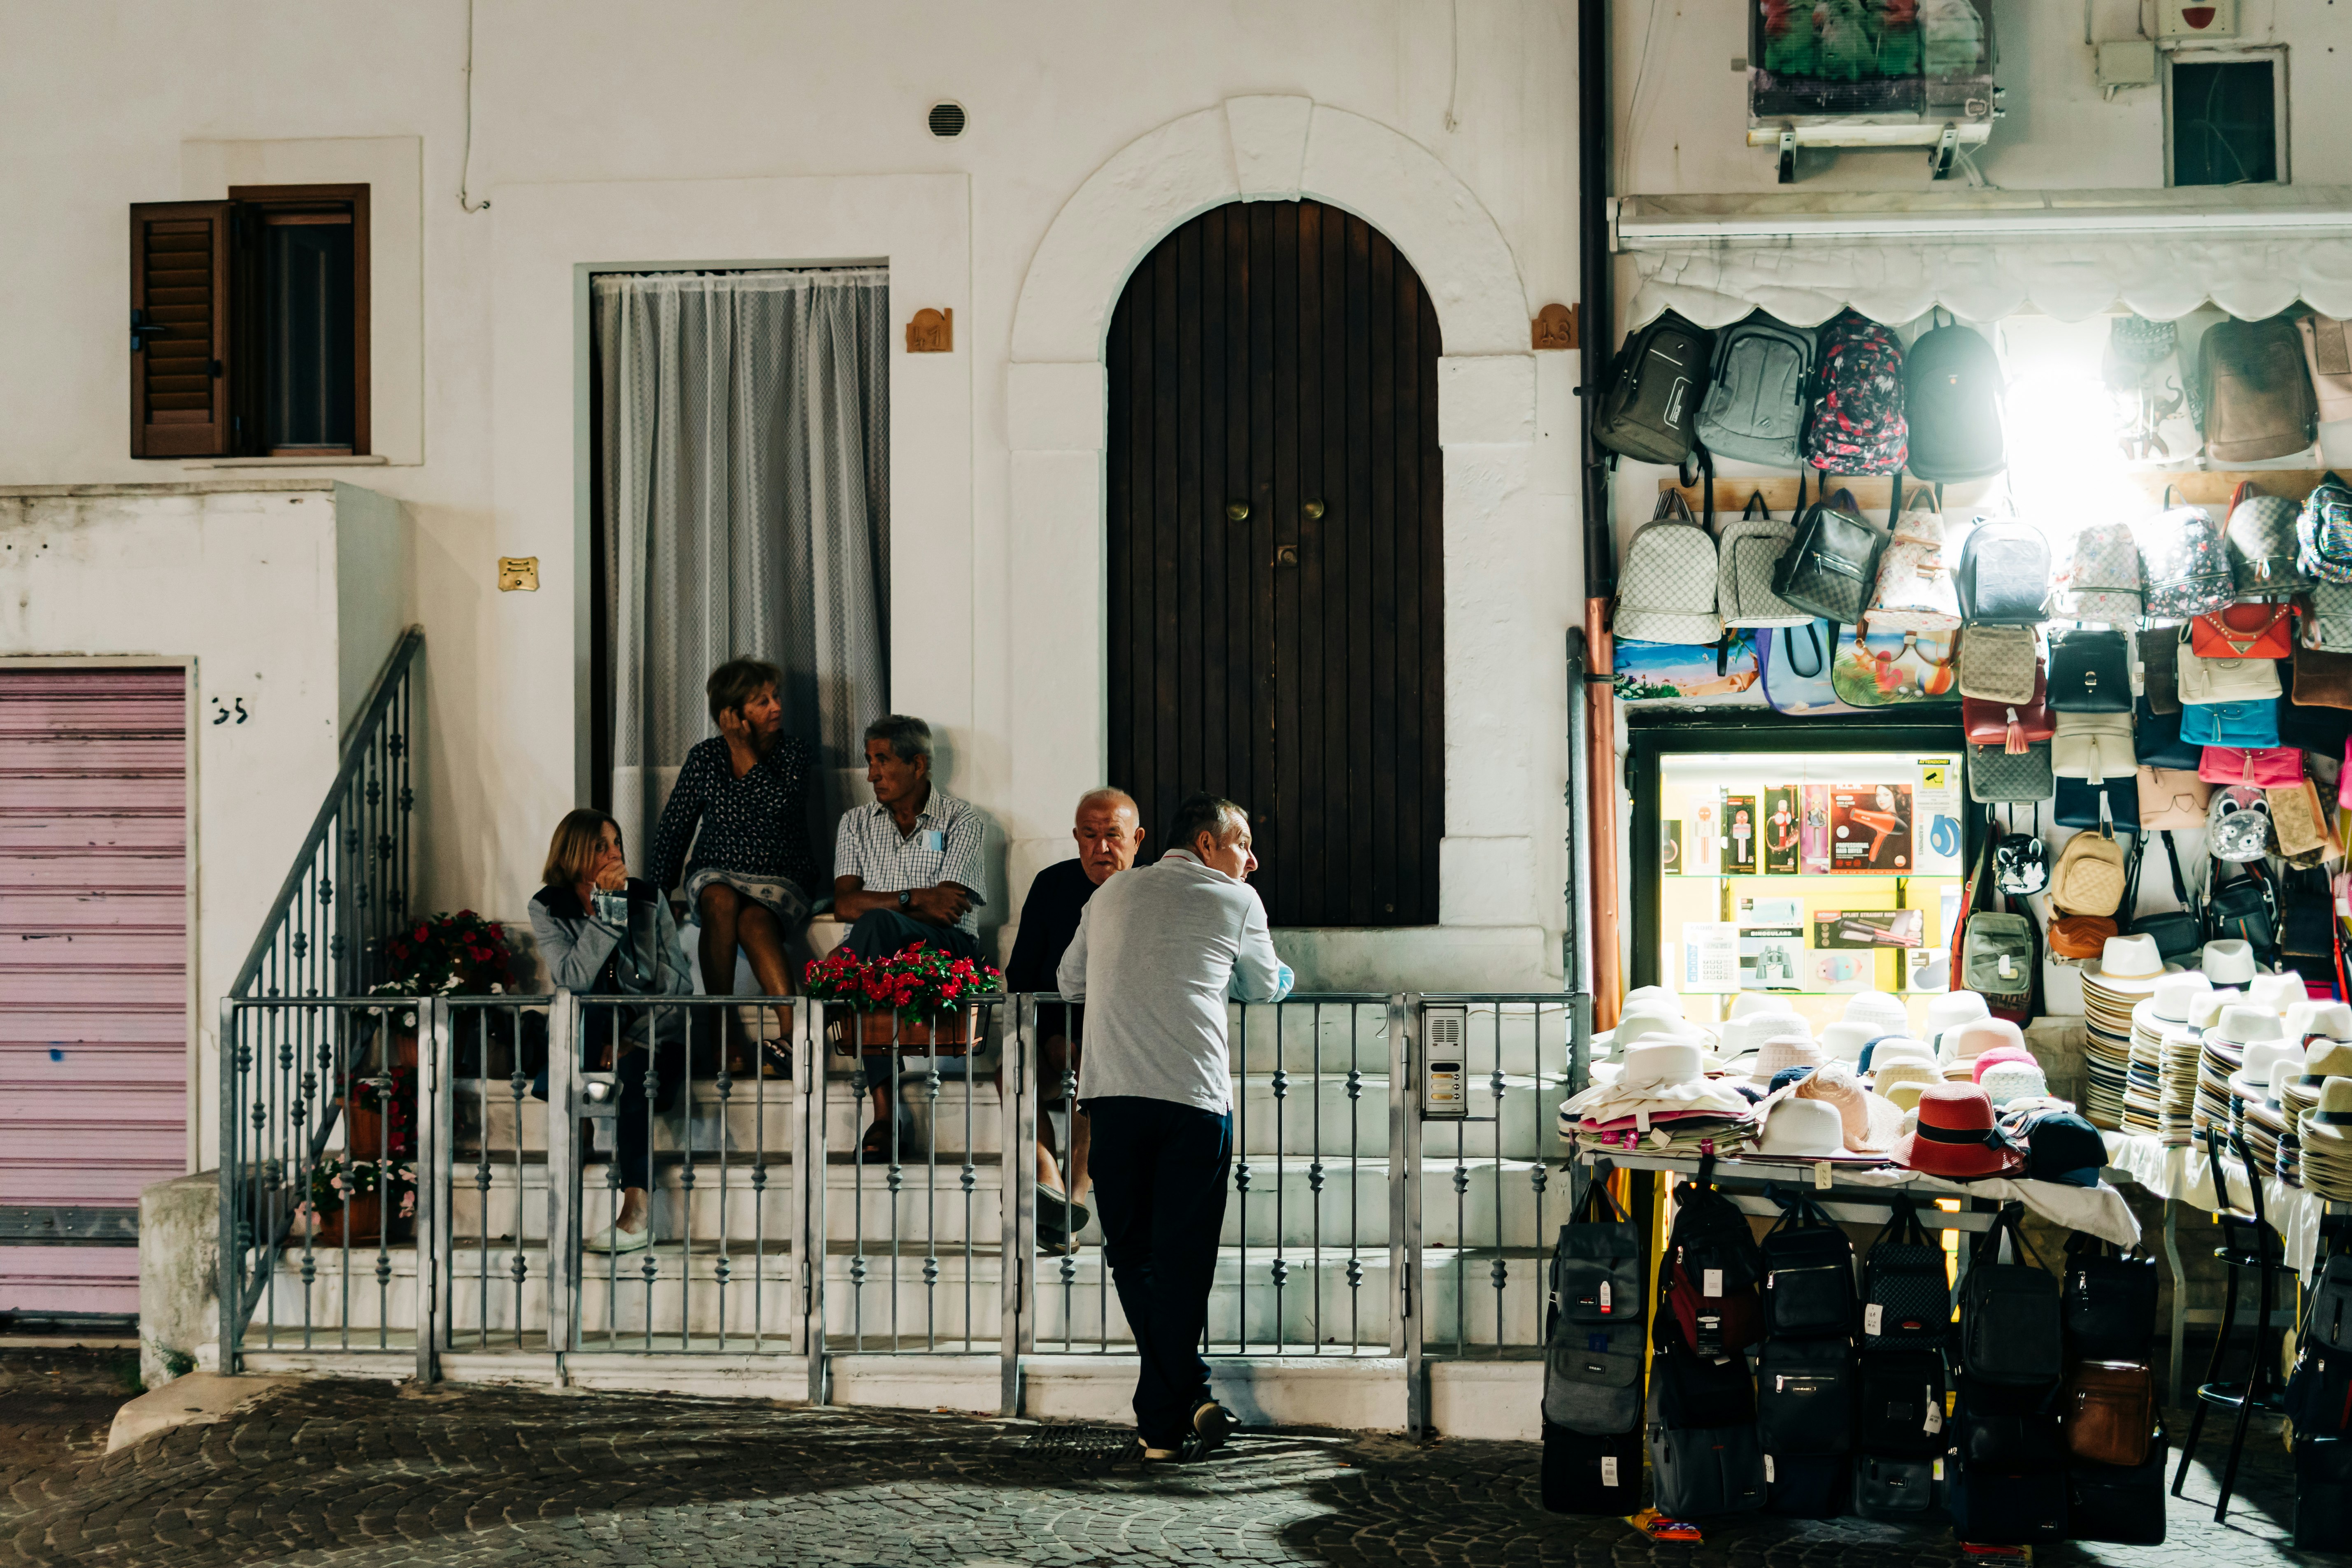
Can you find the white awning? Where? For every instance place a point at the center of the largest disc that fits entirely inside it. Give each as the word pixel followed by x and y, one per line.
pixel 1983 254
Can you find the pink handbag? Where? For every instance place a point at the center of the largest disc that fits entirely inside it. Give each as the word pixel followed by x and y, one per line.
pixel 2344 782
pixel 2265 767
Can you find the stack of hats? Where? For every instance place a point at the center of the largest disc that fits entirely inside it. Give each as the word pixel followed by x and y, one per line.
pixel 2244 1035
pixel 2327 1138
pixel 2257 1095
pixel 2126 974
pixel 2144 1072
pixel 2300 1087
pixel 1662 1102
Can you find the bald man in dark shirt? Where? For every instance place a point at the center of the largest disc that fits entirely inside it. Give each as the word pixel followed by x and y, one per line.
pixel 1109 831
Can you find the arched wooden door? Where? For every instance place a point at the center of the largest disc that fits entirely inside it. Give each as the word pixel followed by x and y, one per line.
pixel 1276 553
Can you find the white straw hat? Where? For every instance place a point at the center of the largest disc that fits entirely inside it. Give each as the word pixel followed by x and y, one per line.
pixel 2206 1010
pixel 1656 1064
pixel 2251 1080
pixel 1844 1039
pixel 1953 1010
pixel 2228 962
pixel 1796 1128
pixel 1886 1012
pixel 2277 991
pixel 2176 994
pixel 2244 1025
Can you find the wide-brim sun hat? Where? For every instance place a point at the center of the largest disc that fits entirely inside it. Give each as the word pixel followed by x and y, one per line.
pixel 2245 1024
pixel 2330 1121
pixel 1956 1137
pixel 2228 961
pixel 1899 1082
pixel 2128 963
pixel 1974 1039
pixel 1647 1016
pixel 1896 1047
pixel 1782 1052
pixel 1885 1013
pixel 1987 1060
pixel 1871 1123
pixel 2176 994
pixel 1952 1009
pixel 2313 1020
pixel 2008 1080
pixel 2253 1078
pixel 1797 1128
pixel 2277 991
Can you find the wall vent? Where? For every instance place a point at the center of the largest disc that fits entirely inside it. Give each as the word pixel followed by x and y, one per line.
pixel 946 119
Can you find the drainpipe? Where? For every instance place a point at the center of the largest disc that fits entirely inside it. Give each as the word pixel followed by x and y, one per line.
pixel 1595 834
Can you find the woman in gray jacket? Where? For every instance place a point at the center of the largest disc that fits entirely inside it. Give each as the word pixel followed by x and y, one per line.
pixel 603 933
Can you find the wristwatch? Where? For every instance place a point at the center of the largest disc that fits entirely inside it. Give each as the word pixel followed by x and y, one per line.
pixel 905 896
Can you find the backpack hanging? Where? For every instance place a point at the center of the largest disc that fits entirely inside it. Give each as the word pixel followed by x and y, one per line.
pixel 2245 910
pixel 1654 390
pixel 1593 1476
pixel 1831 560
pixel 1994 952
pixel 1904 1300
pixel 1914 591
pixel 1708 1289
pixel 2323 532
pixel 2090 874
pixel 2020 863
pixel 2010 1320
pixel 2262 545
pixel 2238 824
pixel 1898 1492
pixel 2102 582
pixel 1755 403
pixel 1853 407
pixel 1747 554
pixel 2255 392
pixel 2184 563
pixel 1952 402
pixel 1808 1274
pixel 1804 1397
pixel 1597 1265
pixel 1665 589
pixel 2004 577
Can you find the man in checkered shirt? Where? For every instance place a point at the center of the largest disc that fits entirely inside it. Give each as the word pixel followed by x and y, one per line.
pixel 906 869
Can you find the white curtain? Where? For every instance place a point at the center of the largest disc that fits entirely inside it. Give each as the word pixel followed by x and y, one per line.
pixel 746 509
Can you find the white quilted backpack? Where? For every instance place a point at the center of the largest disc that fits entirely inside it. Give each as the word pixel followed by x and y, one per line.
pixel 1748 552
pixel 1665 590
pixel 1915 592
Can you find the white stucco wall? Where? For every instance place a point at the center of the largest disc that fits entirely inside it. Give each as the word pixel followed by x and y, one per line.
pixel 280 595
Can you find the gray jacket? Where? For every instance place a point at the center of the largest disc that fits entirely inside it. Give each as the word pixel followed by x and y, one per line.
pixel 590 956
pixel 1159 952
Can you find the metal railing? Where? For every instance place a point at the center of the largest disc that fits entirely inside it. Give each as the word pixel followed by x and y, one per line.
pixel 349 885
pixel 1364 1217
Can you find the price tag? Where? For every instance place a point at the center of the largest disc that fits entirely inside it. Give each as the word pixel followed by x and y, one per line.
pixel 1873 1316
pixel 1768 1468
pixel 1608 1469
pixel 1821 1175
pixel 1934 1412
pixel 1605 1296
pixel 1940 1469
pixel 1710 1283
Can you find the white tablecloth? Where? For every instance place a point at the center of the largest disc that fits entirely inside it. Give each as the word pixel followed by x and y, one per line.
pixel 2182 1173
pixel 2100 1211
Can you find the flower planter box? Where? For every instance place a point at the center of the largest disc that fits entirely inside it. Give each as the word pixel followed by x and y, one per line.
pixel 948 1035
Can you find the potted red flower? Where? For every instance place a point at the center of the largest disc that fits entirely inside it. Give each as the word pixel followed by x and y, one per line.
pixel 460 954
pixel 915 998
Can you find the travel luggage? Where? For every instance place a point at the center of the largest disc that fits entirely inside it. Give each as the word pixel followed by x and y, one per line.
pixel 1746 555
pixel 2184 563
pixel 1832 562
pixel 1807 1486
pixel 2108 1413
pixel 1952 402
pixel 2004 577
pixel 1896 1491
pixel 1653 392
pixel 1698 1473
pixel 1665 588
pixel 1854 410
pixel 1900 1412
pixel 1808 1274
pixel 2123 1505
pixel 1754 405
pixel 2010 1320
pixel 1804 1397
pixel 2255 392
pixel 2109 1298
pixel 1591 1476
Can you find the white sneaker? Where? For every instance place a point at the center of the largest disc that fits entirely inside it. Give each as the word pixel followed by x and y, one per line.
pixel 619 1240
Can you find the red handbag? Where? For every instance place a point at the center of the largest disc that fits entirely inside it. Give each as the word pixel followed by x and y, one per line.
pixel 2267 767
pixel 2244 631
pixel 2012 726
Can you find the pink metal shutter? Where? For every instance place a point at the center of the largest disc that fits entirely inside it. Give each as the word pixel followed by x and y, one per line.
pixel 93 971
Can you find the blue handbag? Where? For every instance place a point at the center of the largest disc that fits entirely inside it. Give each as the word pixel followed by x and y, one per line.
pixel 2247 723
pixel 1798 661
pixel 2155 740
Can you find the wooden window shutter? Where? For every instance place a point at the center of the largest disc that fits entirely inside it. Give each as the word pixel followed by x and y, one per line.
pixel 183 298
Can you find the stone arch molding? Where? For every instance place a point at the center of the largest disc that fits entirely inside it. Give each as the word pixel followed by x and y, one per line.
pixel 1263 148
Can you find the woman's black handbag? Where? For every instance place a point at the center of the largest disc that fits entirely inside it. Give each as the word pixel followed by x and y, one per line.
pixel 2178 932
pixel 1832 564
pixel 2078 800
pixel 2090 672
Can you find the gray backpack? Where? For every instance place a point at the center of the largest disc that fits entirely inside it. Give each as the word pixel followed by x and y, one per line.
pixel 1755 405
pixel 1592 1357
pixel 1698 1472
pixel 2327 621
pixel 2262 542
pixel 1592 1377
pixel 1654 390
pixel 1665 590
pixel 1745 557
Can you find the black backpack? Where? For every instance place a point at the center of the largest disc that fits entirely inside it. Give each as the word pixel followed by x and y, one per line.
pixel 1706 1290
pixel 1695 1473
pixel 2329 1319
pixel 1653 392
pixel 1951 396
pixel 1904 1300
pixel 2009 1318
pixel 1596 1272
pixel 2319 1392
pixel 1807 1486
pixel 1831 562
pixel 2109 1301
pixel 1900 1411
pixel 1587 1475
pixel 1901 1490
pixel 1808 1275
pixel 1689 1390
pixel 1804 1397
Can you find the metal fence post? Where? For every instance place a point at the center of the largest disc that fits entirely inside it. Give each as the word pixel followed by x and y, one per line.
pixel 808 1186
pixel 1404 1204
pixel 232 1196
pixel 1017 1196
pixel 565 1049
pixel 436 1129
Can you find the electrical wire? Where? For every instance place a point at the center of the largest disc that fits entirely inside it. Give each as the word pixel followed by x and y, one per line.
pixel 1633 102
pixel 465 161
pixel 1454 57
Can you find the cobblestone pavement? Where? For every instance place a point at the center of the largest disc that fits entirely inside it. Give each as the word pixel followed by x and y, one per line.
pixel 367 1476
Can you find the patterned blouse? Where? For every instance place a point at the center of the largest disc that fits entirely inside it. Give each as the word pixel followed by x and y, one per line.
pixel 757 825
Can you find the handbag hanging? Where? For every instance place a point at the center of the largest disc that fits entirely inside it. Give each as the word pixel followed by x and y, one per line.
pixel 2321 680
pixel 2178 932
pixel 2159 672
pixel 1997 777
pixel 2201 680
pixel 2244 631
pixel 2172 798
pixel 2081 804
pixel 2262 767
pixel 2002 664
pixel 2010 726
pixel 2155 740
pixel 2253 724
pixel 2090 672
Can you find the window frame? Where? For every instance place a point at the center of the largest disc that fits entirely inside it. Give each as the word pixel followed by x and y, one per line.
pixel 2275 55
pixel 257 203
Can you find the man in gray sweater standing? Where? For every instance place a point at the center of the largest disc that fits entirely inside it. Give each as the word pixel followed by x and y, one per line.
pixel 1159 952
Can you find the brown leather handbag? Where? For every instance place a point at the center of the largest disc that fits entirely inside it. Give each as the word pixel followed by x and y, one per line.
pixel 2322 679
pixel 2108 1414
pixel 2078 937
